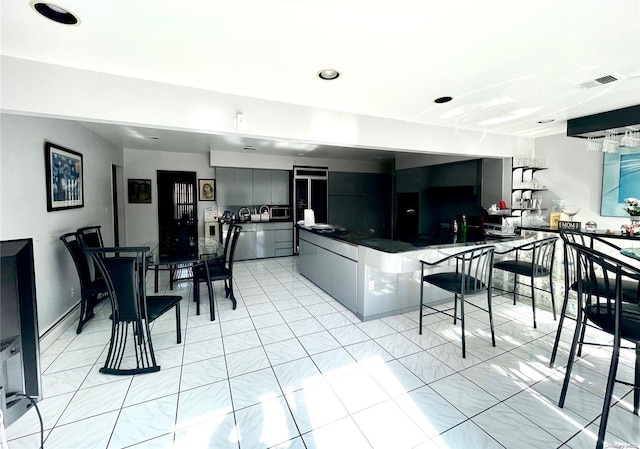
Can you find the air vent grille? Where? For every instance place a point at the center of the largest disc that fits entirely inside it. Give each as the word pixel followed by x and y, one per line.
pixel 598 82
pixel 606 79
pixel 249 148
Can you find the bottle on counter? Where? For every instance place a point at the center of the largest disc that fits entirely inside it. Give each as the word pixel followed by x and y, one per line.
pixel 463 225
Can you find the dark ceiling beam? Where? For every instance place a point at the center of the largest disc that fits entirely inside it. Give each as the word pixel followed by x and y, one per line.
pixel 595 125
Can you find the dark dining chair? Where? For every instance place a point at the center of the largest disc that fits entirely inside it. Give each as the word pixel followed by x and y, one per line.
pixel 629 286
pixel 124 271
pixel 533 260
pixel 93 289
pixel 598 276
pixel 216 270
pixel 470 274
pixel 91 236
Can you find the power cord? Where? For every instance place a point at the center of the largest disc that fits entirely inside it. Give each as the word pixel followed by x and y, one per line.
pixel 3 435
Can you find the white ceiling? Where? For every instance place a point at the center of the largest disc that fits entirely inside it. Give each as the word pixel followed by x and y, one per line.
pixel 507 64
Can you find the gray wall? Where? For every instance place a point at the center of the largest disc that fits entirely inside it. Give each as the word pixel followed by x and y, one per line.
pixel 23 205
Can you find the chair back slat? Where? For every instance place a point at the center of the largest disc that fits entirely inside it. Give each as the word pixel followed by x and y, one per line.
pixel 476 266
pixel 72 244
pixel 232 249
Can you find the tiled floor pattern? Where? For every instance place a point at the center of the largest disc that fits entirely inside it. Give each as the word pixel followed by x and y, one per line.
pixel 292 368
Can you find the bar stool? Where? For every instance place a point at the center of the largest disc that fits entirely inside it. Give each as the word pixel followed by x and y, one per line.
pixel 472 275
pixel 533 260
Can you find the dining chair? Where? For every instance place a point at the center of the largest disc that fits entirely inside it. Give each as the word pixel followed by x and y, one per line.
pixel 207 272
pixel 533 260
pixel 93 289
pixel 598 276
pixel 124 271
pixel 91 236
pixel 470 273
pixel 629 286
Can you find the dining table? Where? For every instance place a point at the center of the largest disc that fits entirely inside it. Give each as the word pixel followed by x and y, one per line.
pixel 205 248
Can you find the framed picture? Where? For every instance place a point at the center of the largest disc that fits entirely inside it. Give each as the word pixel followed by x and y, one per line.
pixel 65 187
pixel 620 180
pixel 139 190
pixel 206 189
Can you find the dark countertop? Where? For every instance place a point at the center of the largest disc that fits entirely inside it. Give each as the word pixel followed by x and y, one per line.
pixel 439 240
pixel 599 232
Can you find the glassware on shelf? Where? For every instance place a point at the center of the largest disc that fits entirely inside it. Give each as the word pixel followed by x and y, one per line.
pixel 571 211
pixel 558 205
pixel 590 226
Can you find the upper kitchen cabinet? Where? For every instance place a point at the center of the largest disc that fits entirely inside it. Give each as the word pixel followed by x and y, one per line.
pixel 409 180
pixel 243 184
pixel 262 187
pixel 225 188
pixel 271 187
pixel 280 188
pixel 455 174
pixel 252 187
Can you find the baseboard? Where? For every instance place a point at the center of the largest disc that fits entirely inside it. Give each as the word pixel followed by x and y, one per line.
pixel 59 327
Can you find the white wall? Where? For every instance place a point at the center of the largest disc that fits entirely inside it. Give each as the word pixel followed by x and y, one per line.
pixel 80 94
pixel 23 205
pixel 574 175
pixel 142 219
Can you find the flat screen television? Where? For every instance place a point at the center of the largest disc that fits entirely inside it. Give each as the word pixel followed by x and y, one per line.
pixel 19 339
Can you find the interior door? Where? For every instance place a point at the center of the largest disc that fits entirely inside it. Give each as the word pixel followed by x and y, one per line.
pixel 117 181
pixel 177 213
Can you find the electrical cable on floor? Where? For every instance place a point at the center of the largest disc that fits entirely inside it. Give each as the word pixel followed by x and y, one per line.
pixel 33 402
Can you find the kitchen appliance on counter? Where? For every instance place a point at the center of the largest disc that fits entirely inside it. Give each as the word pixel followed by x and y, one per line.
pixel 244 215
pixel 265 215
pixel 279 213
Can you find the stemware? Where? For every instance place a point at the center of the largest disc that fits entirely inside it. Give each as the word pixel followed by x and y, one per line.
pixel 571 212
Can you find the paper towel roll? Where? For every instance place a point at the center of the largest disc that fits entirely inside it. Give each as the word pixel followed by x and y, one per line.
pixel 309 217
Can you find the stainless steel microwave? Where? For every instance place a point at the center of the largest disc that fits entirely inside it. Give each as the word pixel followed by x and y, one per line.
pixel 279 213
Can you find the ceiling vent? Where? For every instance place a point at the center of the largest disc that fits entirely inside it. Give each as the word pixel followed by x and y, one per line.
pixel 249 148
pixel 598 81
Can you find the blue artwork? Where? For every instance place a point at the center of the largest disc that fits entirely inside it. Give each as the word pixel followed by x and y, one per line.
pixel 620 180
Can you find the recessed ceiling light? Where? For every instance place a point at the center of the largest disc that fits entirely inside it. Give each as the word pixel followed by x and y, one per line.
pixel 155 137
pixel 328 74
pixel 55 13
pixel 549 120
pixel 443 100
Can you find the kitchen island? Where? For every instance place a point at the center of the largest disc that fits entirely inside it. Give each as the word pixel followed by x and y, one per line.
pixel 376 277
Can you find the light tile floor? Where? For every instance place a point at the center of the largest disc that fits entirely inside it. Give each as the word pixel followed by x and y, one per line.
pixel 292 368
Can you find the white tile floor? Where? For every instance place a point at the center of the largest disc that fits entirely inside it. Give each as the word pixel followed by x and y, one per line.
pixel 292 368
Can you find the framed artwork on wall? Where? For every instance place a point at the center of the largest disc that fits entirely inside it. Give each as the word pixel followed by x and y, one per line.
pixel 139 190
pixel 64 174
pixel 206 189
pixel 620 180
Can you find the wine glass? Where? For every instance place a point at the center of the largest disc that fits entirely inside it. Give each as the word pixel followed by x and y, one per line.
pixel 571 212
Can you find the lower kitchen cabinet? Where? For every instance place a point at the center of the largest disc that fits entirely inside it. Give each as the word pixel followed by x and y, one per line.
pixel 262 240
pixel 333 268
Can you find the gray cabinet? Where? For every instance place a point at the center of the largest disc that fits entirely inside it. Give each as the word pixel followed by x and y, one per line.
pixel 455 174
pixel 243 185
pixel 280 188
pixel 409 180
pixel 246 246
pixel 262 187
pixel 265 242
pixel 225 186
pixel 252 187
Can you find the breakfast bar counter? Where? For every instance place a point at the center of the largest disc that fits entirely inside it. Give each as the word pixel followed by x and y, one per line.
pixel 375 277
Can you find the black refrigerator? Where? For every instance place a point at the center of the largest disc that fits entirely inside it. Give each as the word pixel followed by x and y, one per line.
pixel 311 191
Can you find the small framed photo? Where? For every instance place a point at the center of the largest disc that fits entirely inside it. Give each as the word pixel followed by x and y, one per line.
pixel 206 189
pixel 139 190
pixel 65 187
